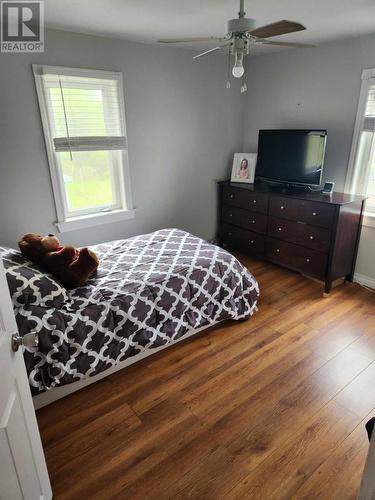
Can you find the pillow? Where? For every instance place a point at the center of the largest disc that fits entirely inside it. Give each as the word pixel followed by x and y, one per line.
pixel 29 284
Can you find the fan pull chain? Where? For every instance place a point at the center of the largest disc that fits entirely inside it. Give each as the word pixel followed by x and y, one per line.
pixel 246 70
pixel 244 85
pixel 228 79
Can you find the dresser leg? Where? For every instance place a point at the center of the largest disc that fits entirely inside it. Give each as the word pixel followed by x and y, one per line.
pixel 327 288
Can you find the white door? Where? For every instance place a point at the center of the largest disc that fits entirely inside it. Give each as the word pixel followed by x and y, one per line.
pixel 367 490
pixel 23 470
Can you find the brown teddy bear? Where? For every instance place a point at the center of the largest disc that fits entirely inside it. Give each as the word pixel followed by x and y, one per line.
pixel 70 266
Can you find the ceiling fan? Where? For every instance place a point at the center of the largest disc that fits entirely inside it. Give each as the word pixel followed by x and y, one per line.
pixel 240 36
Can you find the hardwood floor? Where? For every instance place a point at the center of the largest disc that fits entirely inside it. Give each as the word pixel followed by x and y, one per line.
pixel 270 408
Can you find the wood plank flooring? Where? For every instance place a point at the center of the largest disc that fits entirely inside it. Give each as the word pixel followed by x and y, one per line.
pixel 270 408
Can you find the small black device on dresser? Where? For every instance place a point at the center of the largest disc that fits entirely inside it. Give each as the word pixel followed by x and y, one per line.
pixel 308 232
pixel 328 188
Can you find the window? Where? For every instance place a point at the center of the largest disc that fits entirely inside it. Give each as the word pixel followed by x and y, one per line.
pixel 84 125
pixel 361 173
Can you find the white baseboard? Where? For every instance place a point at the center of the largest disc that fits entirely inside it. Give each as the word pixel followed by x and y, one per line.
pixel 364 280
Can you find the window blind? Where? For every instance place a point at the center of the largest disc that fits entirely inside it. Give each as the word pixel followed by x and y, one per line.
pixel 369 120
pixel 84 113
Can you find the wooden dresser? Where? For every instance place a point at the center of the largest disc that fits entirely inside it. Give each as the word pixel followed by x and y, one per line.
pixel 308 232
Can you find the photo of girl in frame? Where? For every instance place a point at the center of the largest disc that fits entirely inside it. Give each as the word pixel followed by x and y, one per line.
pixel 243 169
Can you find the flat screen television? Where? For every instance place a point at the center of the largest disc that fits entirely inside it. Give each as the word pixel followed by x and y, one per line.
pixel 292 157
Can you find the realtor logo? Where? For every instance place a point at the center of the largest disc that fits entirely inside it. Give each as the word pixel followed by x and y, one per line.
pixel 22 26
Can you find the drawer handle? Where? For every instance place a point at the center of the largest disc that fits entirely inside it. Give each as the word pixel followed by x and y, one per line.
pixel 230 215
pixel 307 260
pixel 311 237
pixel 278 250
pixel 314 214
pixel 280 229
pixel 282 207
pixel 231 196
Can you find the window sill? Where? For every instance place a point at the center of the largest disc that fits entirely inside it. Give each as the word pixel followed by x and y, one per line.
pixel 77 223
pixel 369 219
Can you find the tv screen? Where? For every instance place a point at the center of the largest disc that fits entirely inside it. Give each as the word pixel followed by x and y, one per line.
pixel 291 156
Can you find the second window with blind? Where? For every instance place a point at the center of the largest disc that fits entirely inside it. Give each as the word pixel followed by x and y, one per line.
pixel 84 124
pixel 361 172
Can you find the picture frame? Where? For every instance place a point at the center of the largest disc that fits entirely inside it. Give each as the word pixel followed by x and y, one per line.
pixel 243 168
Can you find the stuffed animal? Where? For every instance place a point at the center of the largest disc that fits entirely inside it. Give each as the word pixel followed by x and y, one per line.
pixel 70 266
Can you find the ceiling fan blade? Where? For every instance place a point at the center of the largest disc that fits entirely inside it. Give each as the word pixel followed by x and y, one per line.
pixel 286 44
pixel 278 28
pixel 219 47
pixel 182 40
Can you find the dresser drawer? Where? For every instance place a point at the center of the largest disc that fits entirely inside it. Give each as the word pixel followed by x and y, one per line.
pixel 252 221
pixel 244 198
pixel 317 238
pixel 242 239
pixel 310 212
pixel 297 257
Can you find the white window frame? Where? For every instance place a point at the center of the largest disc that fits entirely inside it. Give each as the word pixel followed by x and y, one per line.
pixel 123 208
pixel 368 79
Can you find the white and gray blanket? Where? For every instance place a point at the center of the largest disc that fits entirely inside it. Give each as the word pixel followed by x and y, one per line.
pixel 148 291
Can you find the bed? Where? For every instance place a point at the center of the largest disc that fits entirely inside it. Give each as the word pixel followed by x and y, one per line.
pixel 149 292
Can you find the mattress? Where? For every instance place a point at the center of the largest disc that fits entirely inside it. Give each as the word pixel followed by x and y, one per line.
pixel 149 291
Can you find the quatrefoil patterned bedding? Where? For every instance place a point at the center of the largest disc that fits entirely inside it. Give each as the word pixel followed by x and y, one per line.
pixel 149 291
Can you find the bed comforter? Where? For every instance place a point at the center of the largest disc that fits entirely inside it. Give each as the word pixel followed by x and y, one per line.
pixel 149 291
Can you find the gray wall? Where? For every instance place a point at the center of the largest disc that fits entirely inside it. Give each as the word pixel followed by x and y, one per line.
pixel 183 127
pixel 313 88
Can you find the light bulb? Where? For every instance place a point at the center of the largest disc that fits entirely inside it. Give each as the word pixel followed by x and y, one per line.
pixel 238 69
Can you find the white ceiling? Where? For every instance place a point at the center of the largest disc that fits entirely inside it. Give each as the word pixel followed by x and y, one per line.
pixel 147 20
